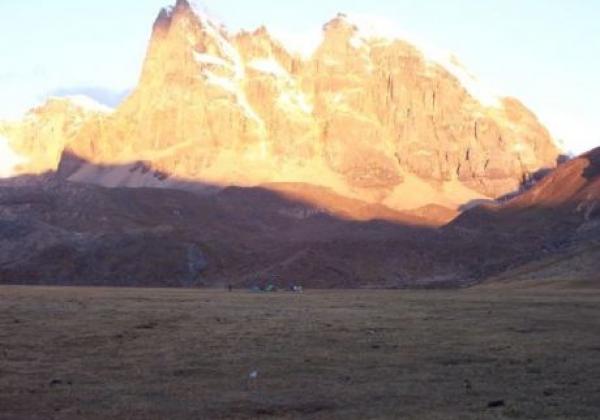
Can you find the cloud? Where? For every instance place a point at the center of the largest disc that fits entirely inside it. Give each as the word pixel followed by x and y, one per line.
pixel 18 99
pixel 108 97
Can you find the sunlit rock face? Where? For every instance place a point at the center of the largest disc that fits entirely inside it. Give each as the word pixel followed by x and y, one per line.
pixel 367 116
pixel 39 139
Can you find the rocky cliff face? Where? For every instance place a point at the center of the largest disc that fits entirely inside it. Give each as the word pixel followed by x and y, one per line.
pixel 369 117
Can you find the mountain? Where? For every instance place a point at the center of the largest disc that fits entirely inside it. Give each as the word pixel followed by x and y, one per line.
pixel 571 193
pixel 549 234
pixel 368 163
pixel 39 139
pixel 367 117
pixel 58 232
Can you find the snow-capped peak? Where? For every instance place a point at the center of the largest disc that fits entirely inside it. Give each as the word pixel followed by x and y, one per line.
pixel 471 83
pixel 376 28
pixel 369 29
pixel 215 31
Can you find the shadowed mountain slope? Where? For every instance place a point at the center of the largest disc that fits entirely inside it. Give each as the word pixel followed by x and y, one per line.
pixel 555 226
pixel 58 232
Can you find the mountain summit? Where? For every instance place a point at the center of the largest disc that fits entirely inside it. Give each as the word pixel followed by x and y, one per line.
pixel 367 116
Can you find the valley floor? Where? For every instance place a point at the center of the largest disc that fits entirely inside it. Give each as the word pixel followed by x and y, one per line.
pixel 178 354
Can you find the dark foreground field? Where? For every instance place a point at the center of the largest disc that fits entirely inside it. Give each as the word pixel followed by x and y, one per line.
pixel 178 354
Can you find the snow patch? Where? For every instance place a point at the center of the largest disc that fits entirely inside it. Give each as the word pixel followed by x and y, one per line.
pixel 357 42
pixel 269 66
pixel 234 89
pixel 224 83
pixel 476 89
pixel 9 159
pixel 85 102
pixel 519 147
pixel 373 27
pixel 290 97
pixel 242 101
pixel 210 59
pixel 231 60
pixel 379 28
pixel 216 31
pixel 295 100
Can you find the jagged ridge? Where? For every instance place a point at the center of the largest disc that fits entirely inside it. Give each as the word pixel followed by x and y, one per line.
pixel 369 117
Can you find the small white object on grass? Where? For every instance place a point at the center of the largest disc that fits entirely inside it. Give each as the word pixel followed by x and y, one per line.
pixel 253 374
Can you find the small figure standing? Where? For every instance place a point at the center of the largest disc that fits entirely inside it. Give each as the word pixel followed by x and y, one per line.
pixel 230 288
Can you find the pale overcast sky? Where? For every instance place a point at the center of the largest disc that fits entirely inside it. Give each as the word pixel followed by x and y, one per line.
pixel 545 52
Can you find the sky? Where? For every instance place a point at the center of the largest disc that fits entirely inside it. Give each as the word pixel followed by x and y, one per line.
pixel 544 52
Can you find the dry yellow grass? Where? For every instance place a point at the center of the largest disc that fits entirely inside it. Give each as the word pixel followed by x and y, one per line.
pixel 178 354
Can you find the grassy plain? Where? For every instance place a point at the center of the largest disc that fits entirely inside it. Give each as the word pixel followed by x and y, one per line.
pixel 178 354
